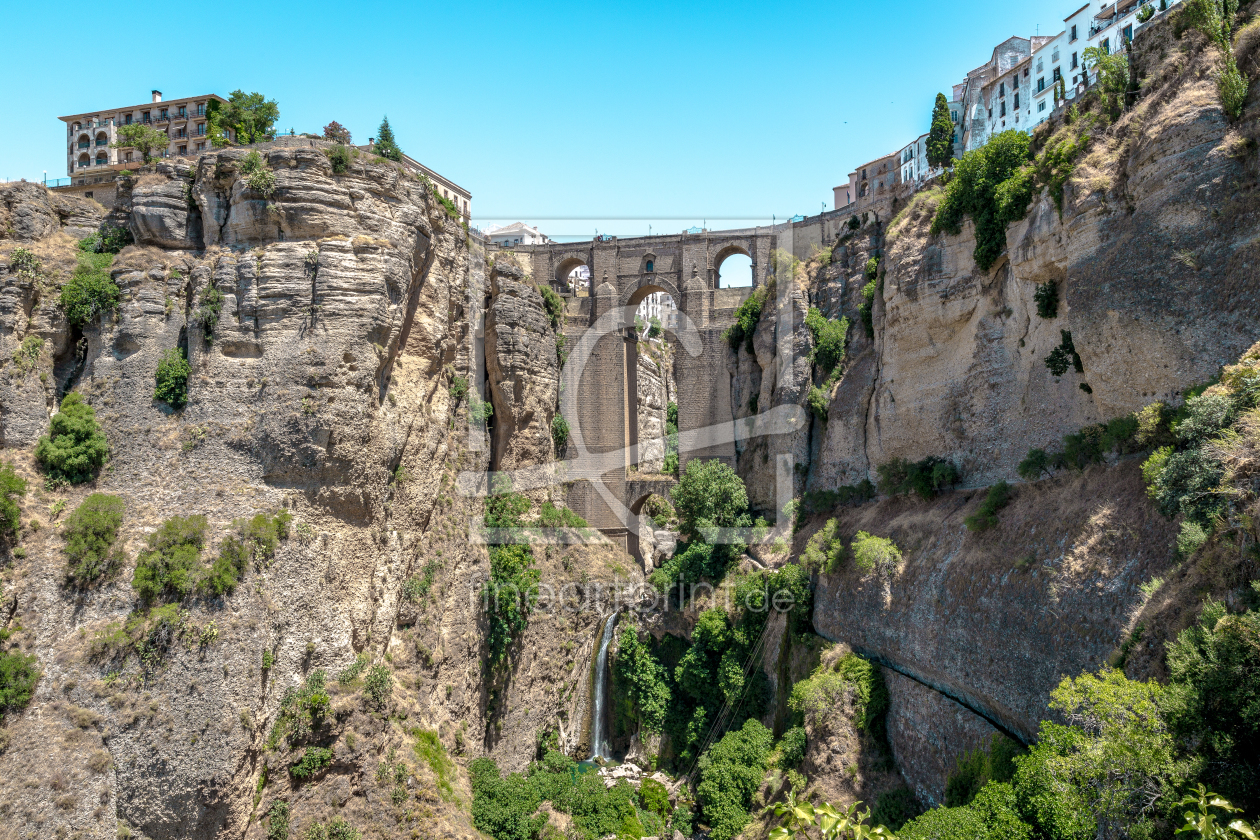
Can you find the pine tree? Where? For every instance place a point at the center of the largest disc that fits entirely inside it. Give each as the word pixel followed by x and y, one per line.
pixel 386 146
pixel 940 142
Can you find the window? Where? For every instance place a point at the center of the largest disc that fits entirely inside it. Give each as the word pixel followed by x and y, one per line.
pixel 1054 56
pixel 1074 61
pixel 1041 84
pixel 1057 75
pixel 1072 37
pixel 953 116
pixel 127 159
pixel 1017 102
pixel 1128 33
pixel 1001 89
pixel 183 150
pixel 863 174
pixel 1106 45
pixel 1041 67
pixel 1041 106
pixel 1025 72
pixel 127 120
pixel 1002 113
pixel 183 112
pixel 201 147
pixel 650 266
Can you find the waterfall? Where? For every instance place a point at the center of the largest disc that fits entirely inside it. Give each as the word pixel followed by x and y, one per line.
pixel 599 745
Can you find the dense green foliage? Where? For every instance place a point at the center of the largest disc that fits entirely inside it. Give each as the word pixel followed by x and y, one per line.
pixel 553 516
pixel 142 137
pixel 511 592
pixel 792 748
pixel 940 142
pixel 1064 356
pixel 254 539
pixel 110 239
pixel 825 550
pixel 559 432
pixel 991 186
pixel 820 501
pixel 259 177
pixel 90 291
pixel 312 762
pixel 18 674
pixel 505 807
pixel 709 494
pixel 90 533
pixel 553 305
pixel 278 821
pixel 874 554
pixel 1047 299
pixel 640 680
pixel 75 447
pixel 978 767
pixel 340 158
pixel 830 339
pixel 1090 445
pixel 822 693
pixel 386 145
pixel 873 286
pixel 992 815
pixel 730 774
pixel 172 378
pixel 211 304
pixel 303 711
pixel 927 478
pixel 336 829
pixel 746 318
pixel 985 517
pixel 250 116
pixel 169 567
pixel 12 488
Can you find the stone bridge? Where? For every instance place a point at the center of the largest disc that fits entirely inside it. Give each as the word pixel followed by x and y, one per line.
pixel 599 396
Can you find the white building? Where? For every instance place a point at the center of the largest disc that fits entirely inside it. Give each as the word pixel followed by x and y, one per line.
pixel 914 164
pixel 661 306
pixel 518 233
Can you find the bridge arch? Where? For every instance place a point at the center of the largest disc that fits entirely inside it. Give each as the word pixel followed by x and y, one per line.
pixel 646 286
pixel 733 249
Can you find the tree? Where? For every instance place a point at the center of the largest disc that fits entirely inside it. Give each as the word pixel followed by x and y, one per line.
pixel 248 116
pixel 145 139
pixel 940 142
pixel 1113 75
pixel 709 494
pixel 75 447
pixel 644 680
pixel 337 132
pixel 386 146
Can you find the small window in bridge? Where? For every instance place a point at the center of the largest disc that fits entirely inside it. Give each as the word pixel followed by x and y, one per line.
pixel 649 266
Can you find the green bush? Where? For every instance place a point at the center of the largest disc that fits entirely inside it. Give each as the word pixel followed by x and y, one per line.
pixel 819 401
pixel 207 315
pixel 170 566
pixel 340 157
pixel 642 678
pixel 1047 299
pixel 854 223
pixel 172 378
pixel 927 478
pixel 730 773
pixel 974 769
pixel 313 761
pixel 1191 536
pixel 992 815
pixel 895 808
pixel 551 516
pixel 820 501
pixel 988 186
pixel 792 748
pixel 654 797
pixel 303 711
pixel 746 318
pixel 23 261
pixel 1233 86
pixel 90 533
pixel 1035 464
pixel 553 305
pixel 559 432
pixel 108 240
pixel 75 447
pixel 479 410
pixel 18 674
pixel 278 821
pixel 12 488
pixel 1064 356
pixel 258 175
pixel 338 829
pixel 824 690
pixel 709 494
pixel 825 550
pixel 26 357
pixel 379 685
pixel 830 338
pixel 90 290
pixel 872 553
pixel 985 516
pixel 865 308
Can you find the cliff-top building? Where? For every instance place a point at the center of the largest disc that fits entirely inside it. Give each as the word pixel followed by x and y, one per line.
pixel 89 135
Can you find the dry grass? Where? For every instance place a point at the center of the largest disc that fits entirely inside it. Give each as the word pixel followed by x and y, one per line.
pixel 917 214
pixel 149 179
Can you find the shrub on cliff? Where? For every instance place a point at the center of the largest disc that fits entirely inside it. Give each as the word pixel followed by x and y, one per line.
pixel 747 317
pixel 18 674
pixel 825 550
pixel 12 488
pixel 169 567
pixel 90 533
pixel 865 308
pixel 830 338
pixel 340 157
pixel 90 291
pixel 979 189
pixel 975 769
pixel 172 378
pixel 875 554
pixel 730 774
pixel 559 432
pixel 75 447
pixel 641 677
pixel 992 815
pixel 553 305
pixel 259 177
pixel 927 477
pixel 709 494
pixel 985 516
pixel 1064 356
pixel 1047 299
pixel 207 314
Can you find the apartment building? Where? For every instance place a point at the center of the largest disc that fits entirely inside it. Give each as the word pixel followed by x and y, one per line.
pixel 90 135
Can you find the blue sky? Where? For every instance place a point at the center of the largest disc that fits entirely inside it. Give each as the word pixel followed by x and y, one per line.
pixel 574 117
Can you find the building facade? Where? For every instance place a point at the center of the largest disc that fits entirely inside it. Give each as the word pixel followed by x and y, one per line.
pixel 517 233
pixel 90 136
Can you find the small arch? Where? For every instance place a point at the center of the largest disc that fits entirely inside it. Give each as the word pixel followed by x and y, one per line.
pixel 646 287
pixel 648 264
pixel 101 138
pixel 738 273
pixel 573 275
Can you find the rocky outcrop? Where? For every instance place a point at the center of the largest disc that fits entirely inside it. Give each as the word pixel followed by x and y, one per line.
pixel 30 212
pixel 163 210
pixel 521 367
pixel 652 398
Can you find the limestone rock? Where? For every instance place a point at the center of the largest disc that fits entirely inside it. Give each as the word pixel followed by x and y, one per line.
pixel 522 368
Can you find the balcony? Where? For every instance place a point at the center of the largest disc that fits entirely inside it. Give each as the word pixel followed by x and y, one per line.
pixel 102 142
pixel 85 144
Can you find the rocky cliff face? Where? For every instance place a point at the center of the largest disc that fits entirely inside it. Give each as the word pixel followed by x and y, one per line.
pixel 319 388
